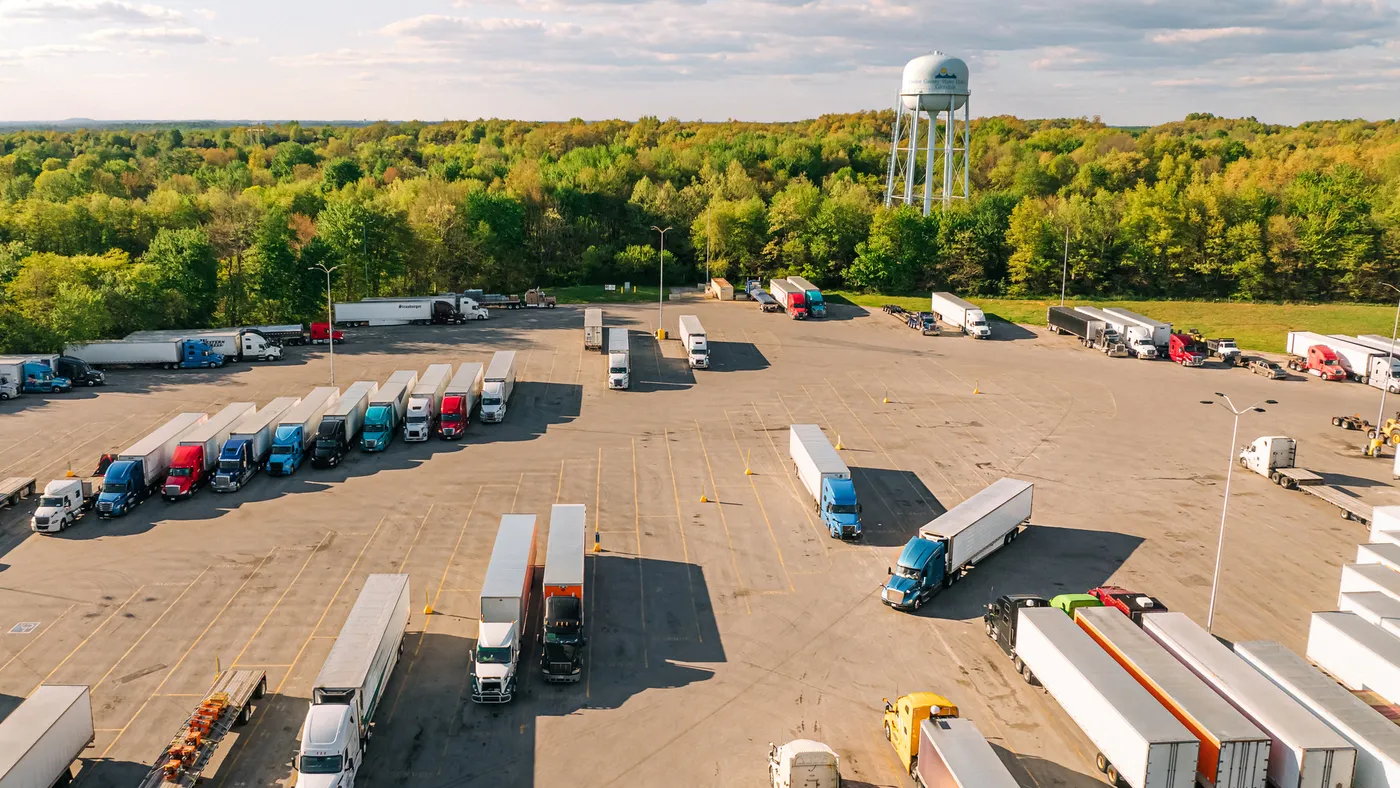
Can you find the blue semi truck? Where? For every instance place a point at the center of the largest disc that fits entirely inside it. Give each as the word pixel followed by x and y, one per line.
pixel 296 431
pixel 827 480
pixel 140 470
pixel 955 541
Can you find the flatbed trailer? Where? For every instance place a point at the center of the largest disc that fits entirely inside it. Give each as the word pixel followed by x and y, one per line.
pixel 228 703
pixel 1275 458
pixel 15 489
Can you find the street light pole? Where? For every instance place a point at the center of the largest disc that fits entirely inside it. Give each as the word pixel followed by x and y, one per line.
pixel 1229 474
pixel 1064 272
pixel 1380 416
pixel 661 279
pixel 330 316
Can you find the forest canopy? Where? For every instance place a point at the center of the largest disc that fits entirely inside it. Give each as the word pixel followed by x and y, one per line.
pixel 107 231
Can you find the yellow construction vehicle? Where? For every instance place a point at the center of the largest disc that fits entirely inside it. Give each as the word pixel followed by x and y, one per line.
pixel 905 715
pixel 1388 431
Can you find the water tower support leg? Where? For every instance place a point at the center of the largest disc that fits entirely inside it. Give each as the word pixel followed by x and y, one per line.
pixel 894 150
pixel 912 167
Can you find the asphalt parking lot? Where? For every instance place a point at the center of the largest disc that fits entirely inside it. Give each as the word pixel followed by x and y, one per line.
pixel 715 626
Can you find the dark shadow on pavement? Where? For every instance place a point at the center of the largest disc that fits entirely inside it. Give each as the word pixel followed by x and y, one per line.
pixel 894 504
pixel 736 357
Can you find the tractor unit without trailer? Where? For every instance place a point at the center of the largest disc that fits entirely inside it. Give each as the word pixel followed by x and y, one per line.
pixel 956 312
pixel 295 435
pixel 62 502
pixel 195 747
pixel 953 542
pixel 351 684
pixel 1304 751
pixel 197 455
pixel 140 470
pixel 1234 752
pixel 1275 458
pixel 1139 741
pixel 387 408
pixel 249 445
pixel 505 606
pixel 1186 350
pixel 460 399
pixel 562 657
pixel 827 480
pixel 816 307
pixel 340 426
pixel 425 403
pixel 1312 354
pixel 42 737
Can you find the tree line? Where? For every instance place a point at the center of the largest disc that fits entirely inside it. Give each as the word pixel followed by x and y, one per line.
pixel 106 231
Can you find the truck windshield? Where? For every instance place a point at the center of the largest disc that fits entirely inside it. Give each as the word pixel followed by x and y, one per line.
pixel 319 764
pixel 490 402
pixel 843 508
pixel 229 466
pixel 496 656
pixel 50 503
pixel 115 488
pixel 451 418
pixel 281 450
pixel 180 472
pixel 417 419
pixel 906 571
pixel 617 370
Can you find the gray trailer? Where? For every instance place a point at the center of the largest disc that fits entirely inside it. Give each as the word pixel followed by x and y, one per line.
pixel 44 735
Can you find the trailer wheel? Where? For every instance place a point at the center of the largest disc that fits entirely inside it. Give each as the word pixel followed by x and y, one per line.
pixel 1019 666
pixel 888 735
pixel 988 626
pixel 245 714
pixel 1112 774
pixel 261 689
pixel 1006 540
pixel 1101 763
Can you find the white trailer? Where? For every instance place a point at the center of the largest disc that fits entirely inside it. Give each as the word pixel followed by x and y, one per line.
pixel 1384 553
pixel 351 683
pixel 1361 578
pixel 619 359
pixel 693 338
pixel 964 315
pixel 1359 654
pixel 296 431
pixel 1161 332
pixel 216 429
pixel 1234 751
pixel 1376 739
pixel 827 480
pixel 497 386
pixel 1356 360
pixel 1380 609
pixel 425 403
pixel 982 524
pixel 1138 740
pixel 155 450
pixel 44 735
pixel 505 607
pixel 168 354
pixel 234 343
pixel 1304 753
pixel 384 313
pixel 954 754
pixel 593 328
pixel 460 399
pixel 1384 368
pixel 1137 338
pixel 260 427
pixel 803 763
pixel 1385 523
pixel 721 290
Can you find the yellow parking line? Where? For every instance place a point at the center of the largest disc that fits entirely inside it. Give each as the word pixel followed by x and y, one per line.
pixel 32 640
pixel 724 521
pixel 84 641
pixel 680 524
pixel 641 575
pixel 153 625
pixel 761 509
pixel 416 534
pixel 276 604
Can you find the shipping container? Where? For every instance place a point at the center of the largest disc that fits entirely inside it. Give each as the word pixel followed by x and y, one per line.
pixel 1305 753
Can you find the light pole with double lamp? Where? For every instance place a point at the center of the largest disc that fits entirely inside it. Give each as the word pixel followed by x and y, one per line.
pixel 660 279
pixel 330 316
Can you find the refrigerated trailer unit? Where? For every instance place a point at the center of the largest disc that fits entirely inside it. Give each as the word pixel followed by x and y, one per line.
pixel 398 312
pixel 498 384
pixel 1139 741
pixel 1375 739
pixel 693 340
pixel 505 607
pixel 1305 752
pixel 1234 752
pixel 167 354
pixel 42 737
pixel 1065 320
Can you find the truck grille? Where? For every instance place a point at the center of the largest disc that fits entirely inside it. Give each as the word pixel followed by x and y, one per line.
pixel 491 692
pixel 894 597
pixel 41 520
pixel 105 507
pixel 172 490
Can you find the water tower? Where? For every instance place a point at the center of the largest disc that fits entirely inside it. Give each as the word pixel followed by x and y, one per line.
pixel 934 85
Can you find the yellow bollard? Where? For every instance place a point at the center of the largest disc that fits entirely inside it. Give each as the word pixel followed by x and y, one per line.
pixel 748 464
pixel 427 605
pixel 217 669
pixel 976 387
pixel 839 447
pixel 597 543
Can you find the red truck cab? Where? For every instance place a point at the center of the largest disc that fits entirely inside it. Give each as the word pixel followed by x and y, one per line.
pixel 187 473
pixel 1323 362
pixel 453 418
pixel 797 306
pixel 1186 351
pixel 1131 603
pixel 321 333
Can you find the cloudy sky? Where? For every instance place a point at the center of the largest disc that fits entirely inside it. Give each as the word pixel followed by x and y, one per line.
pixel 1128 61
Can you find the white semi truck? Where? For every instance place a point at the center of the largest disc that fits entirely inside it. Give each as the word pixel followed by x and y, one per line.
pixel 497 386
pixel 505 605
pixel 961 314
pixel 425 403
pixel 351 685
pixel 693 338
pixel 42 737
pixel 1161 332
pixel 1136 337
pixel 619 359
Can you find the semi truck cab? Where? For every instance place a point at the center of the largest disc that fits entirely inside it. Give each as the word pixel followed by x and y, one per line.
pixel 123 487
pixel 1072 602
pixel 378 432
pixel 186 473
pixel 917 576
pixel 494 665
pixel 562 657
pixel 493 402
pixel 61 504
pixel 321 333
pixel 332 443
pixel 197 354
pixel 797 306
pixel 977 324
pixel 1131 603
pixel 331 749
pixel 452 422
pixel 1002 618
pixel 1323 362
pixel 905 715
pixel 418 423
pixel 287 452
pixel 40 379
pixel 236 465
pixel 839 509
pixel 78 371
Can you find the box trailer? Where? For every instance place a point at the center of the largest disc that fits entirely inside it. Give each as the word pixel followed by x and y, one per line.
pixel 1357 578
pixel 950 544
pixel 249 445
pixel 721 290
pixel 962 314
pixel 562 657
pixel 505 607
pixel 1373 606
pixel 816 305
pixel 1381 367
pixel 398 312
pixel 140 470
pixel 1139 742
pixel 425 402
pixel 234 344
pixel 954 754
pixel 697 350
pixel 499 383
pixel 619 359
pixel 826 478
pixel 1375 739
pixel 1161 332
pixel 1359 654
pixel 593 328
pixel 387 408
pixel 340 426
pixel 790 297
pixel 351 684
pixel 1305 752
pixel 1065 320
pixel 167 354
pixel 1234 752
pixel 1386 554
pixel 1385 523
pixel 42 737
pixel 1137 338
pixel 460 399
pixel 295 434
pixel 195 458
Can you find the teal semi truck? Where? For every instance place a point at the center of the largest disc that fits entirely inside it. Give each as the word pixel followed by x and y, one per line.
pixel 827 480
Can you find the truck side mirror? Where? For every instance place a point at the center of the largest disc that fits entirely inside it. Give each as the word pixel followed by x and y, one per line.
pixel 889 570
pixel 859 508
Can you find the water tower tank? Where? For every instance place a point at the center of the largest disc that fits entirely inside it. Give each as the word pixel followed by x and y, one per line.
pixel 931 79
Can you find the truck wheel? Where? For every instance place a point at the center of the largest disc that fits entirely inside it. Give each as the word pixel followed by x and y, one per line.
pixel 1371 434
pixel 888 736
pixel 1101 763
pixel 1006 540
pixel 988 626
pixel 1112 773
pixel 91 383
pixel 261 689
pixel 1336 422
pixel 245 714
pixel 1019 666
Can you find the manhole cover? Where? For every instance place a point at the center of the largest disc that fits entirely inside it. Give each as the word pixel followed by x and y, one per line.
pixel 24 627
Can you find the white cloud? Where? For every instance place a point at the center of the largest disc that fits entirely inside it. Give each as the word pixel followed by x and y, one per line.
pixel 1197 35
pixel 87 10
pixel 164 35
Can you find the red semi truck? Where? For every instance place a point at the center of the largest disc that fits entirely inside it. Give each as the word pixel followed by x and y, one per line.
pixel 790 297
pixel 1321 361
pixel 321 334
pixel 1130 603
pixel 1186 350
